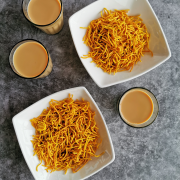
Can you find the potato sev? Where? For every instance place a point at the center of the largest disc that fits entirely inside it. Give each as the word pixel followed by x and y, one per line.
pixel 66 135
pixel 117 41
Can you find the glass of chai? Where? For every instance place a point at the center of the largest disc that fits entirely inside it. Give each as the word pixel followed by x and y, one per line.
pixel 138 107
pixel 30 59
pixel 46 15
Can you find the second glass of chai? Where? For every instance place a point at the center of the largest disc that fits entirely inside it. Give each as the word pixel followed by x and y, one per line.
pixel 30 59
pixel 46 15
pixel 138 107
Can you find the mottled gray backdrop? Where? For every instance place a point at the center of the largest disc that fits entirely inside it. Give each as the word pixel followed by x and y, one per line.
pixel 151 153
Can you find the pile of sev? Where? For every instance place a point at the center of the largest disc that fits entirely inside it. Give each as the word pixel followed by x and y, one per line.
pixel 66 135
pixel 117 41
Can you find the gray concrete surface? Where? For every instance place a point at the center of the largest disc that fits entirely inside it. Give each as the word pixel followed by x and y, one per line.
pixel 151 153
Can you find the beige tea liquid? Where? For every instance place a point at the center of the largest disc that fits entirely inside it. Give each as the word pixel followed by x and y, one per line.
pixel 30 59
pixel 43 12
pixel 136 107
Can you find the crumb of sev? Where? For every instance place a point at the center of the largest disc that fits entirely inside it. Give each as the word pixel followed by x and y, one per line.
pixel 66 135
pixel 117 41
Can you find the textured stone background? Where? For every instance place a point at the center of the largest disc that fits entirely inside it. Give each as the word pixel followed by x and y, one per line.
pixel 151 153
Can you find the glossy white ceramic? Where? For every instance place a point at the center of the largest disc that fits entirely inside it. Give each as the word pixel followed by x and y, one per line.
pixel 24 132
pixel 158 42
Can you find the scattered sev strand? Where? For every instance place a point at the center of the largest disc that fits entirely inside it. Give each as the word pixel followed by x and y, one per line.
pixel 66 135
pixel 116 41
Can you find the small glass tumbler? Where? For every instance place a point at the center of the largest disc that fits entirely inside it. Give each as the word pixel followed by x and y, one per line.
pixel 52 28
pixel 154 112
pixel 43 74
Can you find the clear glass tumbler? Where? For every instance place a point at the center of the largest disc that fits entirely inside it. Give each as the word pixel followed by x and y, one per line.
pixel 47 69
pixel 154 113
pixel 52 28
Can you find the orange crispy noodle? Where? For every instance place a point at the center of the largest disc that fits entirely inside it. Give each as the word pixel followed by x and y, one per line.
pixel 117 41
pixel 66 135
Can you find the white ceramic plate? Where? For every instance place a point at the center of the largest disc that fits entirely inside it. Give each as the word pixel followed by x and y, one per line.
pixel 158 42
pixel 24 132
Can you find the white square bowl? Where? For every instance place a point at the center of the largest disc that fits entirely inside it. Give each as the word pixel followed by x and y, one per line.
pixel 24 131
pixel 158 42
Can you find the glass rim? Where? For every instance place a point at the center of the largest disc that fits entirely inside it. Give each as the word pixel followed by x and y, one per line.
pixel 45 24
pixel 119 100
pixel 24 40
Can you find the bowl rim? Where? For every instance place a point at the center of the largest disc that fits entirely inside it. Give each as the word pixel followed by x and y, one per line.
pixel 130 78
pixel 97 108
